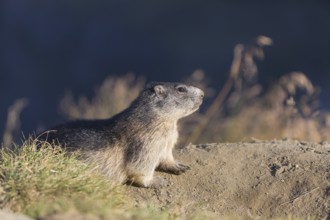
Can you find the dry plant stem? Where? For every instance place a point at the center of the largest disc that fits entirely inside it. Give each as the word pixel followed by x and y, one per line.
pixel 301 195
pixel 234 71
pixel 13 122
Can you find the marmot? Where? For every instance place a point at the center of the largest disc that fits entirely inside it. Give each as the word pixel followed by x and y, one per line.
pixel 130 146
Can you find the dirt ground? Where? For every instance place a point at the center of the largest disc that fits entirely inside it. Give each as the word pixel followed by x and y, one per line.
pixel 258 179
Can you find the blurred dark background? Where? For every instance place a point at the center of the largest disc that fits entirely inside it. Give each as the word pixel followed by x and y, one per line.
pixel 50 46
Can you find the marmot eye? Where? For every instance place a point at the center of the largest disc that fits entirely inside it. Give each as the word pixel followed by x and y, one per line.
pixel 181 89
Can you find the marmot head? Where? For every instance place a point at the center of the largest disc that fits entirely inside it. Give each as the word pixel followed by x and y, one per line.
pixel 172 100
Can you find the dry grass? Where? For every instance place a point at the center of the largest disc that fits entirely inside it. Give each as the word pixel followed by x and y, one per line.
pixel 114 95
pixel 39 182
pixel 288 109
pixel 240 110
pixel 243 109
pixel 13 122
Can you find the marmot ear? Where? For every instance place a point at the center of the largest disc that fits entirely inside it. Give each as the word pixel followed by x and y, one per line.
pixel 160 91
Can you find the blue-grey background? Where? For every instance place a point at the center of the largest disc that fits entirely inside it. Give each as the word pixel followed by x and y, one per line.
pixel 50 46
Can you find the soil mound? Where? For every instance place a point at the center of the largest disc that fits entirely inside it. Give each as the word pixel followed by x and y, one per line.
pixel 265 178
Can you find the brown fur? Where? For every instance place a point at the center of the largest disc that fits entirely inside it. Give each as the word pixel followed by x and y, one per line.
pixel 131 145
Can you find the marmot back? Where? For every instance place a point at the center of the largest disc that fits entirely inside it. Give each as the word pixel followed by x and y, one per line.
pixel 131 145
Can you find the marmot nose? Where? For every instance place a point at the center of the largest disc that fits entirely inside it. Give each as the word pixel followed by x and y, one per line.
pixel 202 94
pixel 200 97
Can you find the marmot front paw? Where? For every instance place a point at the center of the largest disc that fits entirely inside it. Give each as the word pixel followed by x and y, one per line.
pixel 174 168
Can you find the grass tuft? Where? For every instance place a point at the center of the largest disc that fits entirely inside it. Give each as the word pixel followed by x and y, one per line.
pixel 44 180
